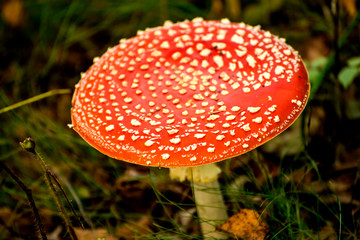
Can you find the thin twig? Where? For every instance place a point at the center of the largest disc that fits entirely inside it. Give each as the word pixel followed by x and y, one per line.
pixel 29 145
pixel 38 223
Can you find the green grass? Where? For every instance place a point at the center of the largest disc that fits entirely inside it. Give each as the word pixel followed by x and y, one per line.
pixel 296 191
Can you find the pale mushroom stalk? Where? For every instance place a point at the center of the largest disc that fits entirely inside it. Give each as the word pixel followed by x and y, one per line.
pixel 211 209
pixel 190 94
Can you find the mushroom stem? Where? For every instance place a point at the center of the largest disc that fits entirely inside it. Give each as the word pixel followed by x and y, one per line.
pixel 208 197
pixel 210 208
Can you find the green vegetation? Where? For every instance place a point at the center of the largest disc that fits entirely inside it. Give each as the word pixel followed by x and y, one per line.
pixel 305 183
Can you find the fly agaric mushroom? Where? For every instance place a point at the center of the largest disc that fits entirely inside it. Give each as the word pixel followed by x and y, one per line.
pixel 190 93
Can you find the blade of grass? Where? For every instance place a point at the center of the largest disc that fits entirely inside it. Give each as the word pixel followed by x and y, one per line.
pixel 35 99
pixel 340 211
pixel 76 198
pixel 53 176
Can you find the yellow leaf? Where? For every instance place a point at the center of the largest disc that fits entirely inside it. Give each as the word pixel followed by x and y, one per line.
pixel 350 7
pixel 246 224
pixel 13 12
pixel 99 233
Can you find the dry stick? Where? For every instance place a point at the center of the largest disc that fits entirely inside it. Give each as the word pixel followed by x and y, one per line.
pixel 38 223
pixel 29 145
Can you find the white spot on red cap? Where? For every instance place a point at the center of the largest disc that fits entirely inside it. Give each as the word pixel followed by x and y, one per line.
pixel 237 39
pixel 297 102
pixel 110 127
pixel 251 61
pixel 134 137
pixel 246 89
pixel 279 70
pixel 165 44
pixel 135 122
pixel 176 55
pixel 172 131
pixel 257 120
pixel 199 135
pixel 220 137
pixel 213 117
pixel 240 53
pixel 226 125
pixel 175 140
pixel 235 108
pixel 230 117
pixel 211 149
pixel 246 127
pixel 287 52
pixel 205 52
pixel 253 109
pixel 193 158
pixel 148 143
pixel 219 61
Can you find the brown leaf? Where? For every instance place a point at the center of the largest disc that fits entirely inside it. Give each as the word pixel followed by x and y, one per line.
pixel 99 233
pixel 246 224
pixel 350 7
pixel 130 231
pixel 13 12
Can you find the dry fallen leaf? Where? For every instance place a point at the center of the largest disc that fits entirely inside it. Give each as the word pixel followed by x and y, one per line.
pixel 99 233
pixel 135 230
pixel 350 7
pixel 246 224
pixel 13 12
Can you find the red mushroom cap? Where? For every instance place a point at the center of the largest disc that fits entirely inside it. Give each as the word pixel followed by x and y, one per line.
pixel 190 93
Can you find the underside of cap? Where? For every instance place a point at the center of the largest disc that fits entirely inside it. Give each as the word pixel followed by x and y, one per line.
pixel 190 93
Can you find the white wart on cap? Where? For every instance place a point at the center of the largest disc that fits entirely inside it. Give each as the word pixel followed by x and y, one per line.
pixel 190 93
